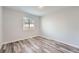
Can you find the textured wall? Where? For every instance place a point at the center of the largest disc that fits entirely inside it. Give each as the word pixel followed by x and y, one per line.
pixel 13 25
pixel 0 23
pixel 62 25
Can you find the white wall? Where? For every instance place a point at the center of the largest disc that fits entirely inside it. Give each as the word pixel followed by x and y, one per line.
pixel 13 25
pixel 0 23
pixel 62 26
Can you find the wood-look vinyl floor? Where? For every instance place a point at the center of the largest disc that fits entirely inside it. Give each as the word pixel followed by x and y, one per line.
pixel 37 45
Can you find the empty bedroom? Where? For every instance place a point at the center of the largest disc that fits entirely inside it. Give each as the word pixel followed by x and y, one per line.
pixel 39 29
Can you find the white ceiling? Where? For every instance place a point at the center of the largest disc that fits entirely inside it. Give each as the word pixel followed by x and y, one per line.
pixel 35 10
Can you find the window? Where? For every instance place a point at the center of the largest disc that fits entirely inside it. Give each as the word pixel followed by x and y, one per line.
pixel 28 23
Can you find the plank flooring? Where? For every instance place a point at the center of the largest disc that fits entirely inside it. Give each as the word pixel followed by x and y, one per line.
pixel 37 45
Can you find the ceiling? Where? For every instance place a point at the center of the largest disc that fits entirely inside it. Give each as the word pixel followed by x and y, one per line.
pixel 36 10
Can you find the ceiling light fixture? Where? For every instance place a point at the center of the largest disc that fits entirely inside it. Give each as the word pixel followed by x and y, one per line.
pixel 41 6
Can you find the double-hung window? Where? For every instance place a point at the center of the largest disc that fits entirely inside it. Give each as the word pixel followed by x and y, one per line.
pixel 28 23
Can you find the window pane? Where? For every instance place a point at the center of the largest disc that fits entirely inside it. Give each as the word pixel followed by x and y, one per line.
pixel 26 25
pixel 31 25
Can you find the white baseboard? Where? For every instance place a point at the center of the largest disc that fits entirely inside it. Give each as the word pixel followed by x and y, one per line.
pixel 53 38
pixel 5 42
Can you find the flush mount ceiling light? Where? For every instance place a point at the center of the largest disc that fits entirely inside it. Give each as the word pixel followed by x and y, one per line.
pixel 41 7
